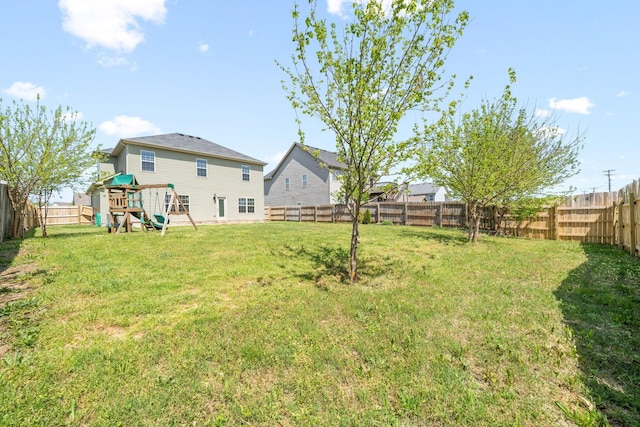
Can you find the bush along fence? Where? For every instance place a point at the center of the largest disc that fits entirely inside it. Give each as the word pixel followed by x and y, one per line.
pixel 608 218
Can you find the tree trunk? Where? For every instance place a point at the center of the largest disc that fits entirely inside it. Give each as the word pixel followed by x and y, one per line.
pixel 42 212
pixel 474 223
pixel 353 260
pixel 18 206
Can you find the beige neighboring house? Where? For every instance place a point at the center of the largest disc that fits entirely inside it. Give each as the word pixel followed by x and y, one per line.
pixel 305 176
pixel 216 184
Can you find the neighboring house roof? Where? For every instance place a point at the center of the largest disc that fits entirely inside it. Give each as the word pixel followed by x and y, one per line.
pixel 424 188
pixel 321 156
pixel 184 143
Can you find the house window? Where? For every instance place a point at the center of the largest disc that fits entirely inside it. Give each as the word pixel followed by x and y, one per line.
pixel 431 197
pixel 246 173
pixel 246 205
pixel 287 184
pixel 148 159
pixel 201 167
pixel 304 181
pixel 183 198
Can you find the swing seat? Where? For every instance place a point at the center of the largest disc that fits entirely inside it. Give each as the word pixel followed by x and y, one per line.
pixel 159 218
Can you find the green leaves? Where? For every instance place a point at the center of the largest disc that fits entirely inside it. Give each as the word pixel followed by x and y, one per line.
pixel 361 82
pixel 42 151
pixel 499 153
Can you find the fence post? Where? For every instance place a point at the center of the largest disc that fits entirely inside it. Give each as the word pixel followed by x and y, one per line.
pixel 620 224
pixel 632 223
pixel 555 222
pixel 406 214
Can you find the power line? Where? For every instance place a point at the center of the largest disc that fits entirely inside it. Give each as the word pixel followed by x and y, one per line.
pixel 608 174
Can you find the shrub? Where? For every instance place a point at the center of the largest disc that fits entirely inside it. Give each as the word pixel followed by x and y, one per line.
pixel 366 218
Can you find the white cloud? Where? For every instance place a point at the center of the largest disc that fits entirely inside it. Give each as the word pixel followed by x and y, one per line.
pixel 335 7
pixel 111 24
pixel 72 116
pixel 111 61
pixel 540 112
pixel 576 105
pixel 622 93
pixel 203 47
pixel 127 126
pixel 552 132
pixel 25 90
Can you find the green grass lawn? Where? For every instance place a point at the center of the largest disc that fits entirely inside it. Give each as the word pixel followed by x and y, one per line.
pixel 256 325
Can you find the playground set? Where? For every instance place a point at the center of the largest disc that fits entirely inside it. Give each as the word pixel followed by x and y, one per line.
pixel 125 205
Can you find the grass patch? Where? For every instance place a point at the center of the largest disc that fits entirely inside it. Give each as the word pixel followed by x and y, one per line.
pixel 256 324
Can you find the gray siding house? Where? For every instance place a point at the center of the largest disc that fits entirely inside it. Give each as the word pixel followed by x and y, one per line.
pixel 305 176
pixel 215 183
pixel 427 192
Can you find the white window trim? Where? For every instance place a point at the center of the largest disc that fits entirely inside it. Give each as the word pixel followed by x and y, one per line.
pixel 287 184
pixel 143 161
pixel 242 168
pixel 305 181
pixel 206 168
pixel 167 199
pixel 247 205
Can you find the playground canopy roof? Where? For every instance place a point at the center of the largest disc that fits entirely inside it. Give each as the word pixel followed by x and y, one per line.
pixel 127 179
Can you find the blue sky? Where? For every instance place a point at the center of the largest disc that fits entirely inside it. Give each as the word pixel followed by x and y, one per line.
pixel 207 68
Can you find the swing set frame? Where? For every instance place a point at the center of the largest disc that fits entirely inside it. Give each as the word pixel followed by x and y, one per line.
pixel 126 200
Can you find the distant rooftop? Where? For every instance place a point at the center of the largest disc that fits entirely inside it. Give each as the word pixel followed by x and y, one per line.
pixel 423 188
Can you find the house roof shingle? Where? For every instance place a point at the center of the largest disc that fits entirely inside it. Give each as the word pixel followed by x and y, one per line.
pixel 184 143
pixel 423 188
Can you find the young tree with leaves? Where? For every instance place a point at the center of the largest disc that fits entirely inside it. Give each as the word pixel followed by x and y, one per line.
pixel 362 81
pixel 498 154
pixel 41 152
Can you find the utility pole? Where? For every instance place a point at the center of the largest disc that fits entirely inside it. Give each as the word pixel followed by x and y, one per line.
pixel 608 174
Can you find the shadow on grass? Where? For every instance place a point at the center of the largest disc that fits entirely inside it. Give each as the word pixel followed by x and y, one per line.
pixel 444 236
pixel 9 249
pixel 73 231
pixel 600 301
pixel 334 262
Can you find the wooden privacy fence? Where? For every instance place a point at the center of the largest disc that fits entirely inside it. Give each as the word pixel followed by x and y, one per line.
pixel 69 215
pixel 428 214
pixel 609 218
